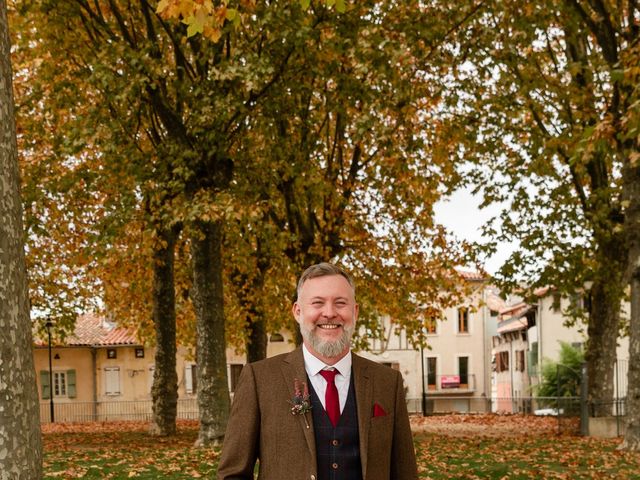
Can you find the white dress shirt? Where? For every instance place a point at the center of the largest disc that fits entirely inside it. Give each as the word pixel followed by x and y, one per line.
pixel 313 365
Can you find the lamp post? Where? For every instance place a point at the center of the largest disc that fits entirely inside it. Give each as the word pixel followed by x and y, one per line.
pixel 424 395
pixel 48 326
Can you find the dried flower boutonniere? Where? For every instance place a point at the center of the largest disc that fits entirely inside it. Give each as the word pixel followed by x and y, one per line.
pixel 301 403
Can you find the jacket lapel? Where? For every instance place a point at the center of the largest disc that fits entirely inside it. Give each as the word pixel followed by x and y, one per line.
pixel 292 369
pixel 364 392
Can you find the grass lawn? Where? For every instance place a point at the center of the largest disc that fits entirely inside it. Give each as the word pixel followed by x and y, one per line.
pixel 457 446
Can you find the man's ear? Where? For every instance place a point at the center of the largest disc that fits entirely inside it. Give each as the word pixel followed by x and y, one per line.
pixel 296 311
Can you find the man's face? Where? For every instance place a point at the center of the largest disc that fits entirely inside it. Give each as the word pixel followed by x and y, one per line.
pixel 327 313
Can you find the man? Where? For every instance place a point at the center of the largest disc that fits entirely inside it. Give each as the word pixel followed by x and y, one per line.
pixel 320 412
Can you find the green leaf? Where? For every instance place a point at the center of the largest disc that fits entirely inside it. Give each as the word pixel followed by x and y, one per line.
pixel 305 4
pixel 341 6
pixel 194 28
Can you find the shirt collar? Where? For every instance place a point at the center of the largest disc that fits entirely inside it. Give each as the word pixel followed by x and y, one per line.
pixel 313 364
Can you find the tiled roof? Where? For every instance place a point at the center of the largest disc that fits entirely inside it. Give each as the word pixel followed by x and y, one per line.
pixel 472 275
pixel 97 331
pixel 495 303
pixel 512 325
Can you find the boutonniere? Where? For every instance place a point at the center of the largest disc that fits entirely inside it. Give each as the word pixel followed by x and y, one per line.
pixel 301 403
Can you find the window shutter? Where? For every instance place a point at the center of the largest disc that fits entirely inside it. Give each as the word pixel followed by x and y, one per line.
pixel 44 382
pixel 188 379
pixel 71 383
pixel 112 379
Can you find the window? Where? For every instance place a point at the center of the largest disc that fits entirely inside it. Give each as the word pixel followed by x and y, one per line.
pixel 112 381
pixel 555 306
pixel 190 378
pixel 59 384
pixel 463 371
pixel 463 320
pixel 520 360
pixel 112 353
pixel 234 375
pixel 431 326
pixel 64 384
pixel 139 352
pixel 502 361
pixel 533 358
pixel 577 301
pixel 432 367
pixel 276 337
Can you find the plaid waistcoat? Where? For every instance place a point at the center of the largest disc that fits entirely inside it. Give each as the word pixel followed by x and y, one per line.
pixel 337 448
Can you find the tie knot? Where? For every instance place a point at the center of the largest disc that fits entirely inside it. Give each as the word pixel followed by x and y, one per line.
pixel 329 375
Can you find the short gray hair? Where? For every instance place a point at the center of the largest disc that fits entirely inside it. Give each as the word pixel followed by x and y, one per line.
pixel 321 270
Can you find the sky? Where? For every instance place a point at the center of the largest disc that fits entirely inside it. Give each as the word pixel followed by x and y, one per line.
pixel 460 214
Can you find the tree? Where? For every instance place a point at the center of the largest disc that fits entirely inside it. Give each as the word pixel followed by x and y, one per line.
pixel 175 110
pixel 20 441
pixel 562 378
pixel 346 172
pixel 541 85
pixel 630 124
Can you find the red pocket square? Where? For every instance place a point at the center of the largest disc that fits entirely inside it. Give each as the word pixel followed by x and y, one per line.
pixel 378 411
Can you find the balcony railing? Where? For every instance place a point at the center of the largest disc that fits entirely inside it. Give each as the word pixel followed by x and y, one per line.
pixel 450 384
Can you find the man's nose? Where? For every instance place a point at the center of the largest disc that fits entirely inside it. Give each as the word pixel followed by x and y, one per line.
pixel 329 310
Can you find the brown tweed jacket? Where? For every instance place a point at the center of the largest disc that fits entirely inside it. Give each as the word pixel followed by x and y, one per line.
pixel 261 426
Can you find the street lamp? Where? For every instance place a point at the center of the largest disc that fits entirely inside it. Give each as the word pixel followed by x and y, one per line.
pixel 48 326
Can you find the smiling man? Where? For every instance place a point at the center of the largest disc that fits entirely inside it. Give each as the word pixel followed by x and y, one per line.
pixel 320 412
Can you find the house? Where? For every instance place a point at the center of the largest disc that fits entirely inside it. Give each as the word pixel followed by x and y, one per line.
pixel 529 333
pixel 510 347
pixel 103 372
pixel 454 372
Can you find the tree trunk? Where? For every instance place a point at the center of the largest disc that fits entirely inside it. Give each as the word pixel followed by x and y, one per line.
pixel 20 440
pixel 212 386
pixel 631 177
pixel 165 379
pixel 257 341
pixel 604 324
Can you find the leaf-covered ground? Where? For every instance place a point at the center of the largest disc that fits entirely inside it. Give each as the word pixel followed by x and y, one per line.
pixel 456 446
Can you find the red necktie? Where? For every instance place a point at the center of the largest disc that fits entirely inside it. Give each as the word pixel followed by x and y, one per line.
pixel 331 400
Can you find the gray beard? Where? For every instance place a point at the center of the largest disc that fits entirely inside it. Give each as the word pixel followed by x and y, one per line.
pixel 326 348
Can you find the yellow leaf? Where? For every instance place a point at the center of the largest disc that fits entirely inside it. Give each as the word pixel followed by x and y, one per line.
pixel 162 6
pixel 212 34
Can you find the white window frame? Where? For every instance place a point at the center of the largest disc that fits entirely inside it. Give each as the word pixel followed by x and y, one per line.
pixel 59 387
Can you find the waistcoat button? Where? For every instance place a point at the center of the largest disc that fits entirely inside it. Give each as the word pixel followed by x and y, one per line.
pixel 335 466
